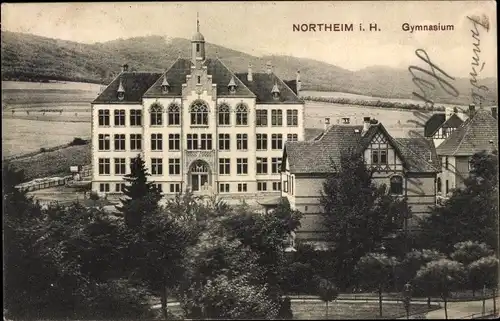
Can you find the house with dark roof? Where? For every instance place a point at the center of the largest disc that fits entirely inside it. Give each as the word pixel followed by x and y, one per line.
pixel 478 133
pixel 198 126
pixel 440 125
pixel 408 166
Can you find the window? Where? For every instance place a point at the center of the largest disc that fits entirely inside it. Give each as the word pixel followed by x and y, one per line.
pixel 396 185
pixel 446 163
pixel 290 181
pixel 197 47
pixel 120 167
pixel 379 157
pixel 285 186
pixel 192 141
pixel 292 118
pixel 242 166
pixel 120 117
pixel 276 186
pixel 447 187
pixel 119 141
pixel 261 165
pixel 224 115
pixel 103 117
pixel 159 187
pixel 156 141
pixel 439 183
pixel 224 166
pixel 199 113
pixel 261 186
pixel 471 165
pixel 346 120
pixel 261 141
pixel 199 79
pixel 261 118
pixel 223 188
pixel 242 187
pixel 174 114
pixel 277 141
pixel 104 188
pixel 174 166
pixel 224 142
pixel 156 166
pixel 135 117
pixel 292 137
pixel 276 117
pixel 135 141
pixel 174 141
pixel 241 141
pixel 119 187
pixel 275 165
pixel 104 167
pixel 175 188
pixel 156 115
pixel 241 115
pixel 206 141
pixel 104 142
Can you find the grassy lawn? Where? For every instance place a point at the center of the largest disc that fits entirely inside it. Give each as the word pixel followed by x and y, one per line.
pixel 53 163
pixel 344 310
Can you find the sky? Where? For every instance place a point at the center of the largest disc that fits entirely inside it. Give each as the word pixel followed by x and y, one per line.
pixel 262 28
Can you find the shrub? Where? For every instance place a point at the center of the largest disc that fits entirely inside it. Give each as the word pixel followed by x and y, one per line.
pixel 78 141
pixel 43 150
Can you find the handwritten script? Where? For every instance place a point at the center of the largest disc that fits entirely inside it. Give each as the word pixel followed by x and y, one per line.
pixel 478 23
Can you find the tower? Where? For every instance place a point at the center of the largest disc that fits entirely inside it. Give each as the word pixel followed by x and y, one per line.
pixel 197 44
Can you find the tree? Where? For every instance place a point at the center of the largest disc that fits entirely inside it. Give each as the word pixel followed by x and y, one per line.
pixel 224 280
pixel 468 252
pixel 440 277
pixel 327 292
pixel 358 215
pixel 471 213
pixel 141 196
pixel 375 271
pixel 414 261
pixel 484 272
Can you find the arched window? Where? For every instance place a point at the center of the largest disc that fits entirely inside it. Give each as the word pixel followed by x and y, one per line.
pixel 174 114
pixel 156 114
pixel 199 113
pixel 397 185
pixel 241 115
pixel 439 183
pixel 224 115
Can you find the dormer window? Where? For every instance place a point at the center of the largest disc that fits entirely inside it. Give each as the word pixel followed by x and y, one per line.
pixel 121 91
pixel 232 86
pixel 165 86
pixel 345 120
pixel 275 92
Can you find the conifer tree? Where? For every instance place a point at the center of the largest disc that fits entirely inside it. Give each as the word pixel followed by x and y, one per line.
pixel 141 196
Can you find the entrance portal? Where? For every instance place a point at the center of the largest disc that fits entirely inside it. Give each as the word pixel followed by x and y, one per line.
pixel 199 175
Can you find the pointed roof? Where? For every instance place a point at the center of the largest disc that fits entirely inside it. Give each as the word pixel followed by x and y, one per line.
pixel 275 89
pixel 313 156
pixel 165 82
pixel 120 87
pixel 231 82
pixel 439 120
pixel 260 84
pixel 473 136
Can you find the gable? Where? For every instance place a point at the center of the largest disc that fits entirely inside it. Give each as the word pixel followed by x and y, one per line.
pixel 135 84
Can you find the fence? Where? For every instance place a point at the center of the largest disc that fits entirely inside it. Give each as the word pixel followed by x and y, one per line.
pixel 37 185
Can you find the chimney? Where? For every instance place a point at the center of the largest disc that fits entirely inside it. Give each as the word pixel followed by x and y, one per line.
pixel 472 110
pixel 269 68
pixel 125 68
pixel 494 112
pixel 298 82
pixel 327 123
pixel 366 124
pixel 250 76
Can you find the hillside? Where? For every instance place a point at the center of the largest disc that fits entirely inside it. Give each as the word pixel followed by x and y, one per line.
pixel 25 56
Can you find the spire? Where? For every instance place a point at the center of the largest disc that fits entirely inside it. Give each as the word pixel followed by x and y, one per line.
pixel 120 87
pixel 275 89
pixel 197 22
pixel 232 85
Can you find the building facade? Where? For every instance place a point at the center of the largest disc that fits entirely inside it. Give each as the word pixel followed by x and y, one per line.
pixel 478 133
pixel 408 166
pixel 198 126
pixel 440 125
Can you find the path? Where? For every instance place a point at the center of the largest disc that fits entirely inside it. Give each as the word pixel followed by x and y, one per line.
pixel 460 310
